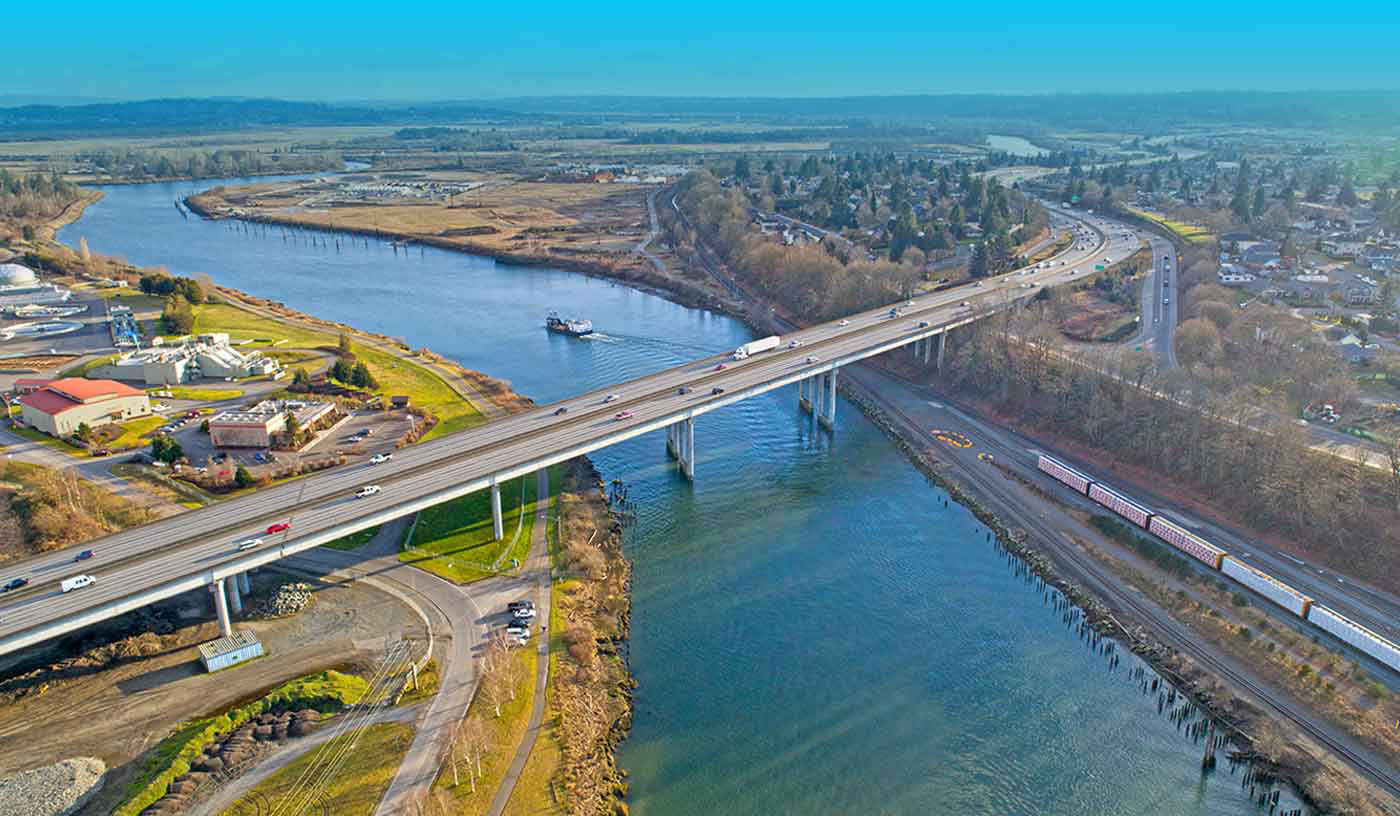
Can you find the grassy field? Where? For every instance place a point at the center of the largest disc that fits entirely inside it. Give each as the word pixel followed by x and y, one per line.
pixel 506 731
pixel 181 492
pixel 396 375
pixel 453 540
pixel 354 790
pixel 133 433
pixel 82 369
pixel 202 394
pixel 1189 232
pixel 354 541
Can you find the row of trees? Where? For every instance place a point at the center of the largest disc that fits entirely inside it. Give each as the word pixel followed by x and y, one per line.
pixel 1260 467
pixel 143 164
pixel 34 196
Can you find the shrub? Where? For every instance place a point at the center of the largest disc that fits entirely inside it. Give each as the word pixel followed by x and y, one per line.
pixel 1236 599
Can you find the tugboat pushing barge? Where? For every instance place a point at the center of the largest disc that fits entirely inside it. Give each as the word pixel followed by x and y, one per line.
pixel 569 326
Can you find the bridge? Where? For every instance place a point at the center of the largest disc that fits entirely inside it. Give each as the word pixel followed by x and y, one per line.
pixel 199 548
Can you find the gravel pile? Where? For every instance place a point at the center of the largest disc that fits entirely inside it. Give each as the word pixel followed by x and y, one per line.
pixel 289 599
pixel 54 790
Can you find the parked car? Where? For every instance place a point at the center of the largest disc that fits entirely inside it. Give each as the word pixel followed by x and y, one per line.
pixel 518 627
pixel 84 555
pixel 249 544
pixel 279 527
pixel 380 458
pixel 621 415
pixel 522 609
pixel 14 583
pixel 366 491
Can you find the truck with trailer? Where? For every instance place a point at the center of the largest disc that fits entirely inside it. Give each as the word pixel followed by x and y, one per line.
pixel 756 346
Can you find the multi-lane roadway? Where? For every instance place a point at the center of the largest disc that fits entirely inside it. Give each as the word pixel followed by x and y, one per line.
pixel 144 564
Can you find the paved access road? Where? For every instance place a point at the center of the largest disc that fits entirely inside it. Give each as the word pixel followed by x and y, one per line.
pixel 173 555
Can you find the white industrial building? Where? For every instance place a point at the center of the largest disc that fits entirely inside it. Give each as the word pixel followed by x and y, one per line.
pixel 189 359
pixel 19 286
pixel 255 427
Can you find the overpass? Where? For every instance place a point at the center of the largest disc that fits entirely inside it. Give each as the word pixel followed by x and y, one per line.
pixel 199 548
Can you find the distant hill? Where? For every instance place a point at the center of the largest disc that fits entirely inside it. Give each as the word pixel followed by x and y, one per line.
pixel 164 116
pixel 1302 109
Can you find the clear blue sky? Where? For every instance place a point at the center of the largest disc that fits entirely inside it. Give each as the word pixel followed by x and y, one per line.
pixel 480 49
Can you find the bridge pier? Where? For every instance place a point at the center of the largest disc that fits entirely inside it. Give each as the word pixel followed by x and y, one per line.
pixel 221 607
pixel 942 343
pixel 688 444
pixel 928 345
pixel 498 524
pixel 804 394
pixel 815 389
pixel 245 583
pixel 235 597
pixel 828 414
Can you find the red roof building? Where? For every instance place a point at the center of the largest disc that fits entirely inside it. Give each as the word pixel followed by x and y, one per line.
pixel 60 406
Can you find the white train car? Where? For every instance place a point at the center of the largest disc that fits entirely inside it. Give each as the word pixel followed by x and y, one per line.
pixel 1186 541
pixel 1120 504
pixel 1064 473
pixel 1353 633
pixel 1266 585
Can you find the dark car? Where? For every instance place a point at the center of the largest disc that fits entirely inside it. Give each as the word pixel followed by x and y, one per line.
pixel 683 390
pixel 84 555
pixel 14 583
pixel 561 411
pixel 717 390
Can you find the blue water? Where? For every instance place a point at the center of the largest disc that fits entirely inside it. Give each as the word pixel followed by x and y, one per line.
pixel 813 630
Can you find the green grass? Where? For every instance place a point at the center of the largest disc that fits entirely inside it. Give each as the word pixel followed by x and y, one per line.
pixel 354 541
pixel 133 433
pixel 453 540
pixel 203 394
pixel 506 732
pixel 326 692
pixel 45 439
pixel 82 369
pixel 396 375
pixel 354 790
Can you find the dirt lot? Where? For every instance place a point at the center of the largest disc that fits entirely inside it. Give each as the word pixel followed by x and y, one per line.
pixel 1091 318
pixel 117 713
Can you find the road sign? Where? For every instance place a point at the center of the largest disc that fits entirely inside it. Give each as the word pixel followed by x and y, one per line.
pixel 1099 267
pixel 1074 199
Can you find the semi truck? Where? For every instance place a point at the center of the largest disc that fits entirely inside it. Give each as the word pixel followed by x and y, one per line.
pixel 756 346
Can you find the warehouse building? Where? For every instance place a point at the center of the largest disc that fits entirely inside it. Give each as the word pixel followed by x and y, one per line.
pixel 256 427
pixel 228 651
pixel 59 407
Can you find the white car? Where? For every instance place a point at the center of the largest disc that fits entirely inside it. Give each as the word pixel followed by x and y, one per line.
pixel 814 359
pixel 366 491
pixel 380 458
pixel 249 544
pixel 794 343
pixel 844 323
pixel 610 398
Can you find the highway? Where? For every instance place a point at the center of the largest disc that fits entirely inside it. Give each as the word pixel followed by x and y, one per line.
pixel 158 560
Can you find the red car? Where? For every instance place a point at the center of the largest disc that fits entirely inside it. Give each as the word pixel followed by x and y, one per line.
pixel 623 415
pixel 279 527
pixel 721 367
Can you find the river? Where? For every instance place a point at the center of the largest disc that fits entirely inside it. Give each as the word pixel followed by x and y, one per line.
pixel 813 630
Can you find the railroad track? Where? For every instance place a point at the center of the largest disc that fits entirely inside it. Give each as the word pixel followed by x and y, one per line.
pixel 1379 773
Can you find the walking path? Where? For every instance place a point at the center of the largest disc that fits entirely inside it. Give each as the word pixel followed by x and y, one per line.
pixel 287 753
pixel 537 564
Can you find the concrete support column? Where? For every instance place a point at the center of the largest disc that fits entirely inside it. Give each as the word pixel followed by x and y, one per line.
pixel 671 447
pixel 245 583
pixel 942 343
pixel 221 607
pixel 815 392
pixel 235 598
pixel 498 523
pixel 831 399
pixel 928 346
pixel 688 440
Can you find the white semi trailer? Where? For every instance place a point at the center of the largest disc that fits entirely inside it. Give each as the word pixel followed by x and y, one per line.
pixel 756 346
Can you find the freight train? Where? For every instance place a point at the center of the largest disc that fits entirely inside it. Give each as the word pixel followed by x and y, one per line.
pixel 1220 560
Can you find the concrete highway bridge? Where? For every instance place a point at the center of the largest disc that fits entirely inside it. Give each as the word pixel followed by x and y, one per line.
pixel 199 548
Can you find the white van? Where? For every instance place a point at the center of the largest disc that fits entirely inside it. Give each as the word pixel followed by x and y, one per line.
pixel 76 582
